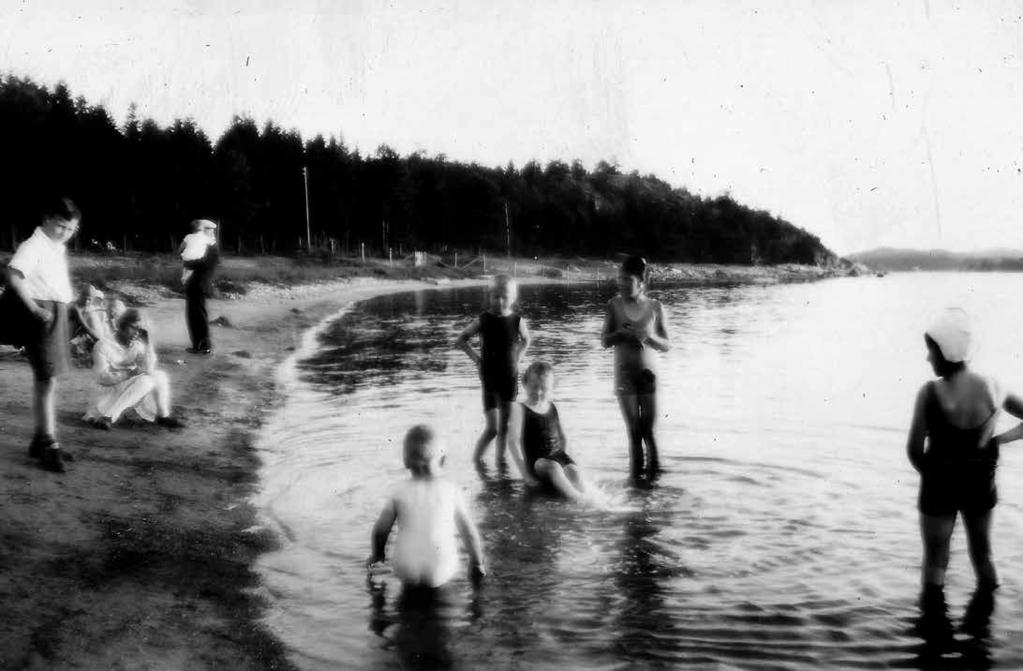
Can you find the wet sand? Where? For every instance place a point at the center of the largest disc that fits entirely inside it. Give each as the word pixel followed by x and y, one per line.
pixel 141 555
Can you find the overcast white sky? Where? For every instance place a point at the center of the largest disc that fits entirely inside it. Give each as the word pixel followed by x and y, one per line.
pixel 866 123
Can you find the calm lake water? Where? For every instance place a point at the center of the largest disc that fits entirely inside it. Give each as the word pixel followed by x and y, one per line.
pixel 783 534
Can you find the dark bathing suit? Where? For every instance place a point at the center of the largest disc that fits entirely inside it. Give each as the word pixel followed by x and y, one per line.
pixel 498 368
pixel 958 472
pixel 542 438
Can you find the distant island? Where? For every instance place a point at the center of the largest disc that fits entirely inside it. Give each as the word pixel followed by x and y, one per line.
pixel 887 259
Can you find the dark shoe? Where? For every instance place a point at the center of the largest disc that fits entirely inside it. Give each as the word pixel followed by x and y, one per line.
pixel 53 459
pixel 39 445
pixel 104 423
pixel 170 422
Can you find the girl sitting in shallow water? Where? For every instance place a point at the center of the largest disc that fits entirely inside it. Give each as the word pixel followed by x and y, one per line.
pixel 537 442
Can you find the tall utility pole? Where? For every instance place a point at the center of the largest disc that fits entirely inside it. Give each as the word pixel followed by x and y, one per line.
pixel 507 228
pixel 308 229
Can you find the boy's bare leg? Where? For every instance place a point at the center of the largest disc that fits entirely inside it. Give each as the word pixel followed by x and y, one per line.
pixel 503 413
pixel 647 418
pixel 630 413
pixel 489 433
pixel 43 406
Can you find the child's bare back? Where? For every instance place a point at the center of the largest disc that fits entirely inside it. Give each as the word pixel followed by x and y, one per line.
pixel 428 510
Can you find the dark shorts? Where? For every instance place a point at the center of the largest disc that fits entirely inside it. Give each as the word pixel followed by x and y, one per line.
pixel 498 390
pixel 965 489
pixel 48 349
pixel 636 383
pixel 559 457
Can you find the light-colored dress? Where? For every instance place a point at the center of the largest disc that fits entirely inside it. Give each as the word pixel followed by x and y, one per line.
pixel 120 390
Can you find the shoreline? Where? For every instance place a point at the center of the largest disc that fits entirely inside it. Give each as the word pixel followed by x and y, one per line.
pixel 143 554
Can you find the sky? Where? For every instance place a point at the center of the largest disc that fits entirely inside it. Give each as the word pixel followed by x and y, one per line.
pixel 866 123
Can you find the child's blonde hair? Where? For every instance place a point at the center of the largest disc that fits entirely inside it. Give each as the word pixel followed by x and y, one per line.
pixel 537 370
pixel 421 443
pixel 505 284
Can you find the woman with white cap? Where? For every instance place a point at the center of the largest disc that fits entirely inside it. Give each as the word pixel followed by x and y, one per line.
pixel 952 444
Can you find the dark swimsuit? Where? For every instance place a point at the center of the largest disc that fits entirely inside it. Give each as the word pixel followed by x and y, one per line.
pixel 958 471
pixel 542 438
pixel 498 368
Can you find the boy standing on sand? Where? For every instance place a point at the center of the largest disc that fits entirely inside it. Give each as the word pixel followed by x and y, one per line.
pixel 428 509
pixel 38 275
pixel 504 339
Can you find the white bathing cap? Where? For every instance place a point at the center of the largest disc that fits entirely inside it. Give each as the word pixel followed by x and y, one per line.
pixel 952 333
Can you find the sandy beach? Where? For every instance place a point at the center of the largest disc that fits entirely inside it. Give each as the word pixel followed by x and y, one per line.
pixel 141 555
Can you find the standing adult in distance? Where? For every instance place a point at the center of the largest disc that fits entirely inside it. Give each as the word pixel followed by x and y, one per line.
pixel 38 275
pixel 198 287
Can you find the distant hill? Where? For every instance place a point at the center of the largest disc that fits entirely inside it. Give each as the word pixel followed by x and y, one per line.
pixel 889 259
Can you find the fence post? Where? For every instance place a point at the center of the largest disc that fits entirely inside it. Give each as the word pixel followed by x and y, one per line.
pixel 362 247
pixel 484 264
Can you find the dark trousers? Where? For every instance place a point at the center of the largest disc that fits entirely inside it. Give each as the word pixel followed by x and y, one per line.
pixel 198 319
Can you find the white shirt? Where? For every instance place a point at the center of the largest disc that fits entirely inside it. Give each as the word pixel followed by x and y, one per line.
pixel 43 262
pixel 195 245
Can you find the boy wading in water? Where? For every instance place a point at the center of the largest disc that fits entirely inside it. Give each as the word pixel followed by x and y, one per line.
pixel 504 340
pixel 428 510
pixel 38 275
pixel 635 326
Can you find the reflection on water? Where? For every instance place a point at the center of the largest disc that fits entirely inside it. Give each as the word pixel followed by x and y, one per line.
pixel 783 533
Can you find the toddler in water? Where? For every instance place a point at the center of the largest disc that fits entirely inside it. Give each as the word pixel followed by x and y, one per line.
pixel 428 510
pixel 504 340
pixel 537 442
pixel 195 244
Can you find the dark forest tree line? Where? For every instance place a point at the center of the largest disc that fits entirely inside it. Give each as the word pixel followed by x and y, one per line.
pixel 140 184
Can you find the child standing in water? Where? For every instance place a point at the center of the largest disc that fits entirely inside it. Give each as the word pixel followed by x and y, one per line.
pixel 537 441
pixel 428 509
pixel 635 326
pixel 953 445
pixel 504 339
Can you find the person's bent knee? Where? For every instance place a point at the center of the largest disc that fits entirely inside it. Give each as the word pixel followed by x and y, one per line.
pixel 546 467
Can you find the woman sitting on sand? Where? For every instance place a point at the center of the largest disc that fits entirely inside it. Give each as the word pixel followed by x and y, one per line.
pixel 952 443
pixel 129 379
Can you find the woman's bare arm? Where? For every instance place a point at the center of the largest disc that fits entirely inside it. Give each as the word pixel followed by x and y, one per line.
pixel 918 431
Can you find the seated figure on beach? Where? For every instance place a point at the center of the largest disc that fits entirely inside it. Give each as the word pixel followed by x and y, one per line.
pixel 537 441
pixel 88 321
pixel 126 369
pixel 953 445
pixel 428 510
